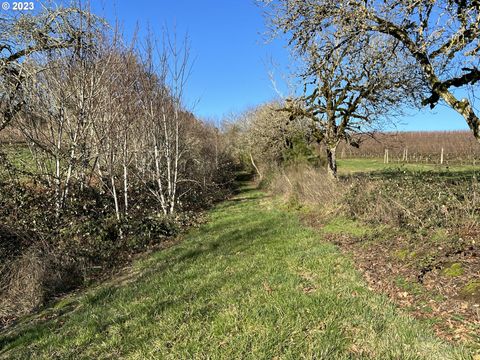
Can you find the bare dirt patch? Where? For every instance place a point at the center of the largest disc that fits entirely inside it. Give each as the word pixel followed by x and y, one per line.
pixel 435 279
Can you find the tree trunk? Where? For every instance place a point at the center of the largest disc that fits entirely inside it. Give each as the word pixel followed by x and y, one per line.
pixel 464 108
pixel 175 167
pixel 256 168
pixel 115 197
pixel 159 179
pixel 332 161
pixel 125 187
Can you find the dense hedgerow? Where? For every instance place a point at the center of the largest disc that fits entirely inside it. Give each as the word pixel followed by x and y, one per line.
pixel 44 254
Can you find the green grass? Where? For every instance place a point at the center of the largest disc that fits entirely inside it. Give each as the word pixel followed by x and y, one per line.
pixel 252 283
pixel 349 166
pixel 342 225
pixel 20 156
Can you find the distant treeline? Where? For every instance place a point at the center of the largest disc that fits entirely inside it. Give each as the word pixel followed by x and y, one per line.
pixel 416 146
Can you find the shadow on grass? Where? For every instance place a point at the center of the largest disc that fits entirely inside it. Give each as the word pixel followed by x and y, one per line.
pixel 34 326
pixel 231 236
pixel 243 182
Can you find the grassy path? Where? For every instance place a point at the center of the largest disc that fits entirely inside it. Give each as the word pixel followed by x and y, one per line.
pixel 250 284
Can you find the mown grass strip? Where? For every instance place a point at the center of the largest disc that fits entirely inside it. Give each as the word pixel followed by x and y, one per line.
pixel 252 283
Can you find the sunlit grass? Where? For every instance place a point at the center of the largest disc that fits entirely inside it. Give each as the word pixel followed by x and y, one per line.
pixel 252 283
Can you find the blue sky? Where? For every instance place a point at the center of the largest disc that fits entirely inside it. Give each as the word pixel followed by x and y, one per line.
pixel 232 59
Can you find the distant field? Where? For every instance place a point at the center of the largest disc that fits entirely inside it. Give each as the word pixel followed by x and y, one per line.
pixel 19 155
pixel 349 166
pixel 459 147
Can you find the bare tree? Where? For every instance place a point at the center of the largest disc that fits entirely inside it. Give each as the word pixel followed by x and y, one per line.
pixel 62 103
pixel 265 136
pixel 162 103
pixel 23 36
pixel 351 90
pixel 107 117
pixel 116 128
pixel 441 36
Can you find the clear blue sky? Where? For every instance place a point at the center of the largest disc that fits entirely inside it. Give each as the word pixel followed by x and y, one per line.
pixel 232 58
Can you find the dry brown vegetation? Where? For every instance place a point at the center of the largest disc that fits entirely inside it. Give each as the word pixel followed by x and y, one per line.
pixel 306 185
pixel 10 136
pixel 413 235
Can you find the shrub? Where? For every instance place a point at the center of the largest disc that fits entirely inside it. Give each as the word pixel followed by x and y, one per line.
pixel 43 255
pixel 310 186
pixel 33 277
pixel 417 201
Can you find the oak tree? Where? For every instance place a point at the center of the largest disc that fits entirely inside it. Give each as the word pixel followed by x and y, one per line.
pixel 440 36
